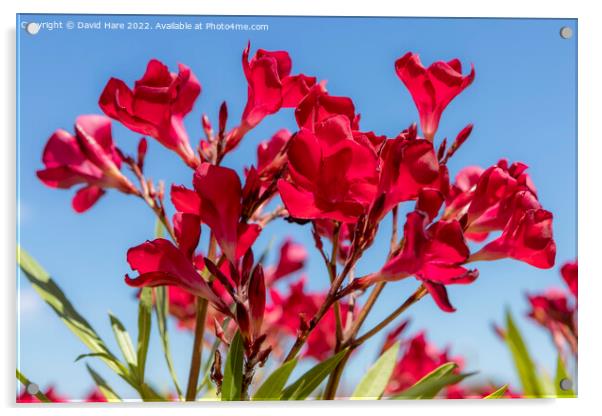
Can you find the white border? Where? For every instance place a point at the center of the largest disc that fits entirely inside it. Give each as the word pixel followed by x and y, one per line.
pixel 590 114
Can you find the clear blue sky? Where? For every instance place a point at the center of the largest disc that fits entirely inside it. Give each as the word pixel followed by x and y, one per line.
pixel 522 102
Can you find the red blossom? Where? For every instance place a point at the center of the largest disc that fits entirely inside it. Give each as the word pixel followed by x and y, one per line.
pixel 286 313
pixel 432 88
pixel 408 166
pixel 156 106
pixel 50 393
pixel 182 306
pixel 488 198
pixel 434 255
pixel 419 358
pixel 318 106
pixel 331 175
pixel 89 157
pixel 527 237
pixel 95 396
pixel 553 311
pixel 292 259
pixel 570 273
pixel 161 263
pixel 270 88
pixel 220 193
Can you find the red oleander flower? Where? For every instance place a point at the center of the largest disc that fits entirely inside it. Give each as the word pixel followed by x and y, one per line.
pixel 419 358
pixel 89 157
pixel 95 396
pixel 527 237
pixel 156 106
pixel 434 255
pixel 553 311
pixel 270 88
pixel 50 393
pixel 432 88
pixel 570 273
pixel 318 105
pixel 270 158
pixel 292 259
pixel 331 175
pixel 286 314
pixel 408 166
pixel 161 263
pixel 182 306
pixel 220 194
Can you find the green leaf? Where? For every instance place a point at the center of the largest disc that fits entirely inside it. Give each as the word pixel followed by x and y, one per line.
pixel 374 382
pixel 271 389
pixel 25 381
pixel 232 382
pixel 145 307
pixel 562 374
pixel 310 381
pixel 123 340
pixel 432 383
pixel 522 359
pixel 161 309
pixel 52 294
pixel 104 388
pixel 499 393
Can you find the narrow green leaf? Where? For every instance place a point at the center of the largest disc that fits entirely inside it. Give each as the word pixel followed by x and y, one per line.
pixel 123 341
pixel 310 381
pixel 161 309
pixel 52 294
pixel 145 307
pixel 271 389
pixel 25 381
pixel 499 393
pixel 374 382
pixel 232 382
pixel 102 385
pixel 432 383
pixel 522 359
pixel 562 374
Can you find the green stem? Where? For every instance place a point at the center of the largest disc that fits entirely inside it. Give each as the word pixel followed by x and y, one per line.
pixel 197 349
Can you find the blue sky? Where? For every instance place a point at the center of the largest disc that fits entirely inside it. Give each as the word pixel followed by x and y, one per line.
pixel 522 103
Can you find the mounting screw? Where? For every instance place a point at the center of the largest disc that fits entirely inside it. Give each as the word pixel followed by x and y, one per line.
pixel 566 32
pixel 566 384
pixel 32 389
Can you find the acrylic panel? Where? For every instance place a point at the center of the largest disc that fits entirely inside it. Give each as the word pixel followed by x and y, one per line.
pixel 291 208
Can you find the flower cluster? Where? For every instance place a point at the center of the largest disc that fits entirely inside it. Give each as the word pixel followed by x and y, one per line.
pixel 556 310
pixel 329 175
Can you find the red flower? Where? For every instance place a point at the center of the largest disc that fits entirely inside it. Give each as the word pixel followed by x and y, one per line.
pixel 270 88
pixel 432 88
pixel 269 157
pixel 331 175
pixel 419 358
pixel 318 105
pixel 161 263
pixel 527 237
pixel 182 306
pixel 50 393
pixel 292 259
pixel 553 311
pixel 89 158
pixel 95 396
pixel 434 255
pixel 156 106
pixel 285 313
pixel 569 273
pixel 220 193
pixel 408 166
